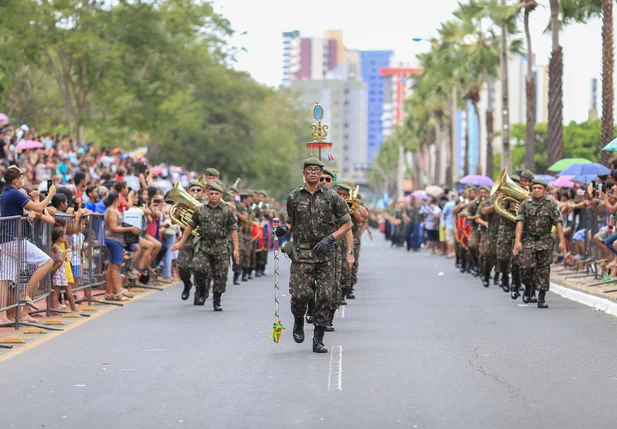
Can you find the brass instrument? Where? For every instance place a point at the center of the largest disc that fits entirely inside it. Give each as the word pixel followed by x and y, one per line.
pixel 184 205
pixel 236 183
pixel 353 202
pixel 202 179
pixel 510 193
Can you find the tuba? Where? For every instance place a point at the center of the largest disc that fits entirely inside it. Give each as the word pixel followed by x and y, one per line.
pixel 184 206
pixel 353 202
pixel 510 192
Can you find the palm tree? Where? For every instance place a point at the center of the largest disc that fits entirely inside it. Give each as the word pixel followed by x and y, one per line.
pixel 530 90
pixel 608 128
pixel 555 91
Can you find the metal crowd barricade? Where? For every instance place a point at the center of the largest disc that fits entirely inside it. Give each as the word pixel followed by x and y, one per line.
pixel 24 247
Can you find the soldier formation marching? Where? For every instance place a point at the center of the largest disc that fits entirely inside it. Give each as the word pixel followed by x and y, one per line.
pixel 224 226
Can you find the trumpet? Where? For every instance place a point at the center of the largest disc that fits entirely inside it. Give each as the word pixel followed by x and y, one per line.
pixel 353 202
pixel 181 212
pixel 510 193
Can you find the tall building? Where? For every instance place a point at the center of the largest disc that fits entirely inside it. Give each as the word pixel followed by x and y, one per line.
pixel 372 62
pixel 397 87
pixel 311 57
pixel 344 103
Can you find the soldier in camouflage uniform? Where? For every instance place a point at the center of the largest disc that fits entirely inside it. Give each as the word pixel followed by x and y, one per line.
pixel 216 222
pixel 474 239
pixel 311 210
pixel 359 220
pixel 489 240
pixel 505 243
pixel 261 256
pixel 246 244
pixel 536 217
pixel 258 218
pixel 185 256
pixel 412 229
pixel 242 216
pixel 462 211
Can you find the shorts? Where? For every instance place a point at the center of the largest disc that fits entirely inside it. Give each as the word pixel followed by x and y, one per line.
pixel 432 235
pixel 30 254
pixel 603 234
pixel 579 235
pixel 76 271
pixel 442 233
pixel 116 251
pixel 450 236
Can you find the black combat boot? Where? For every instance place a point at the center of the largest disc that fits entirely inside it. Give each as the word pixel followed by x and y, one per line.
pixel 541 300
pixel 527 294
pixel 350 294
pixel 257 270
pixel 216 301
pixel 318 346
pixel 186 293
pixel 298 332
pixel 263 270
pixel 516 287
pixel 330 327
pixel 532 297
pixel 486 280
pixel 236 278
pixel 463 265
pixel 505 283
pixel 245 274
pixel 496 278
pixel 342 299
pixel 250 272
pixel 200 296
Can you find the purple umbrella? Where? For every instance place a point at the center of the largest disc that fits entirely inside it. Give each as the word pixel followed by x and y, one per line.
pixel 421 195
pixel 3 117
pixel 477 180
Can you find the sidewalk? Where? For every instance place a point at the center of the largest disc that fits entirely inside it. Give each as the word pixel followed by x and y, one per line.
pixel 578 289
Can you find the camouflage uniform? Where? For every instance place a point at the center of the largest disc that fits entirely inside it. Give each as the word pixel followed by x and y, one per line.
pixel 257 216
pixel 357 246
pixel 488 243
pixel 211 257
pixel 261 257
pixel 185 259
pixel 508 263
pixel 312 218
pixel 538 218
pixel 244 238
pixel 474 240
pixel 412 228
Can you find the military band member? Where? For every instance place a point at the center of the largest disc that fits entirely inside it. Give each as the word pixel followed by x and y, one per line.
pixel 246 244
pixel 505 243
pixel 216 222
pixel 474 239
pixel 536 217
pixel 242 215
pixel 185 256
pixel 261 255
pixel 349 251
pixel 212 175
pixel 311 210
pixel 488 242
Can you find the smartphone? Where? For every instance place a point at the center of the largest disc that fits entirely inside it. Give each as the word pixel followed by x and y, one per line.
pixel 50 183
pixel 76 206
pixel 593 184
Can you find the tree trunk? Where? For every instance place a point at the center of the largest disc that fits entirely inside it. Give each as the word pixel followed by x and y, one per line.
pixel 530 90
pixel 506 154
pixel 490 126
pixel 608 130
pixel 555 91
pixel 466 159
pixel 449 154
pixel 438 147
pixel 479 143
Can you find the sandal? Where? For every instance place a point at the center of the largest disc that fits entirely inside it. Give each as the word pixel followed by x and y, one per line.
pixel 31 303
pixel 120 297
pixel 113 297
pixel 28 319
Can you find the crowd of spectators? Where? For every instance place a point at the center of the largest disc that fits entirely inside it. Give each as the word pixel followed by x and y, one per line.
pixel 76 187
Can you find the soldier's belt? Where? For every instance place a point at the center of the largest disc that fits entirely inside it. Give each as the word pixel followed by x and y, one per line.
pixel 217 241
pixel 304 245
pixel 537 237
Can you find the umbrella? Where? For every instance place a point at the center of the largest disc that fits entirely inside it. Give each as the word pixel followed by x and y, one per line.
pixel 564 182
pixel 477 180
pixel 28 144
pixel 611 146
pixel 3 117
pixel 562 164
pixel 434 191
pixel 546 177
pixel 585 178
pixel 584 169
pixel 421 195
pixel 139 152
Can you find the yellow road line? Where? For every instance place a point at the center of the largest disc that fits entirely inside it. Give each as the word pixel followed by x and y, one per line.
pixel 78 322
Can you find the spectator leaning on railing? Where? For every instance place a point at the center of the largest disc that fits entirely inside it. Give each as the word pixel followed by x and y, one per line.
pixel 12 203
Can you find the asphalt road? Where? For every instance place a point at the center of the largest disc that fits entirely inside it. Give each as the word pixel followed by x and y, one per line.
pixel 422 346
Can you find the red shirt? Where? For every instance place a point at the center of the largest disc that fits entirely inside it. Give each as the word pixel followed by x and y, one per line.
pixel 123 204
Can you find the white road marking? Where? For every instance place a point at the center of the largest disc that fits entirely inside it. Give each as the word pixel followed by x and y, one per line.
pixel 335 374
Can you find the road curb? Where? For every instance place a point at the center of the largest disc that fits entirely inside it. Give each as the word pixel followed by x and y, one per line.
pixel 587 299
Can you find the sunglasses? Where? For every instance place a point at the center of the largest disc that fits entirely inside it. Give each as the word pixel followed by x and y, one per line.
pixel 196 190
pixel 313 170
pixel 325 179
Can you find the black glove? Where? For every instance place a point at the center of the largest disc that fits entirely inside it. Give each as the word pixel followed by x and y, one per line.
pixel 324 245
pixel 281 230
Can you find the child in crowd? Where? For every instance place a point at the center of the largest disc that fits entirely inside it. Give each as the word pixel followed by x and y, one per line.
pixel 58 277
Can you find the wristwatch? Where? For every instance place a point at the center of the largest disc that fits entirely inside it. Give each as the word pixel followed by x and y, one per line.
pixel 350 252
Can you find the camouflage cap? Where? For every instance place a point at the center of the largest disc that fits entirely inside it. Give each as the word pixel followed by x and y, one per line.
pixel 220 183
pixel 263 193
pixel 212 172
pixel 539 182
pixel 329 172
pixel 527 174
pixel 485 188
pixel 233 188
pixel 313 161
pixel 195 183
pixel 472 187
pixel 345 187
pixel 515 178
pixel 348 183
pixel 213 186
